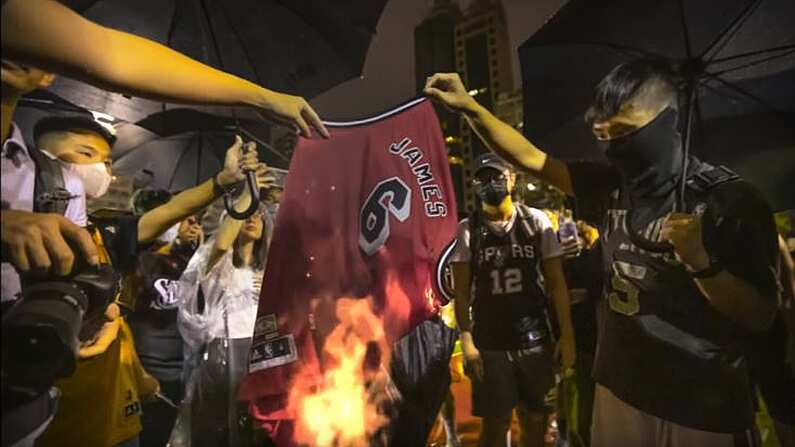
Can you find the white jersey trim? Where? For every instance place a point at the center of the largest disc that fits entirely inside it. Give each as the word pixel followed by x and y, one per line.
pixel 379 117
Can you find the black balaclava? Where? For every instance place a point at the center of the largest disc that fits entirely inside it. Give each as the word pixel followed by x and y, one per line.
pixel 649 159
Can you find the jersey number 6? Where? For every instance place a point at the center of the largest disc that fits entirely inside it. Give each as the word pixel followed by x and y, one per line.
pixel 389 196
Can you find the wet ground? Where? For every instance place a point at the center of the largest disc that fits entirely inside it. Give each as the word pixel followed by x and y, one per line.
pixel 468 425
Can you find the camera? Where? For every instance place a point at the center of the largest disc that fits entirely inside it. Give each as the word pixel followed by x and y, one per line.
pixel 42 331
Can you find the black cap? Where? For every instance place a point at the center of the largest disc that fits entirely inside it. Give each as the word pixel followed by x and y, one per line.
pixel 491 160
pixel 72 122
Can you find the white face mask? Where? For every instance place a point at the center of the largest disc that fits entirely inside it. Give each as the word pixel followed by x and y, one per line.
pixel 95 178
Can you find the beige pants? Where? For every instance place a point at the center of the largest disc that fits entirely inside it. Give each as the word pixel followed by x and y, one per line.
pixel 618 424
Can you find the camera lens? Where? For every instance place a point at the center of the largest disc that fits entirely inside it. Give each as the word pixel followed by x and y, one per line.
pixel 40 334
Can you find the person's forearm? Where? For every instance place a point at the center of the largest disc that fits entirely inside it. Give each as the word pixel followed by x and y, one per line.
pixel 787 269
pixel 514 147
pixel 560 295
pixel 462 278
pixel 229 228
pixel 114 60
pixel 556 283
pixel 227 232
pixel 739 300
pixel 187 203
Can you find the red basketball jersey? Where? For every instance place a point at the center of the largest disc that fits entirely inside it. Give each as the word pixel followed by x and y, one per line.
pixel 369 212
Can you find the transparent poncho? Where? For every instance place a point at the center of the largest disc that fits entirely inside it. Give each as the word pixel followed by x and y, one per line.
pixel 216 317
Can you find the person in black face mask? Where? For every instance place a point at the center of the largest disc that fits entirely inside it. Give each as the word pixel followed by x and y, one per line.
pixel 650 158
pixel 687 280
pixel 510 256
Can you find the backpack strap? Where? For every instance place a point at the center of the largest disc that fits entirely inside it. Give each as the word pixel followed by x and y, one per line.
pixel 710 177
pixel 49 192
pixel 475 222
pixel 523 217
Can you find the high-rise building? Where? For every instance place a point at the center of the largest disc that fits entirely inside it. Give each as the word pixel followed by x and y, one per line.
pixel 475 44
pixel 434 52
pixel 483 58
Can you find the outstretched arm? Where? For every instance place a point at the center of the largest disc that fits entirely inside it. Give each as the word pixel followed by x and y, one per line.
pixel 229 229
pixel 503 139
pixel 191 201
pixel 48 35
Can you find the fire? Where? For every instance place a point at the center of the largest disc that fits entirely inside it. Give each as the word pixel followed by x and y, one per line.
pixel 346 408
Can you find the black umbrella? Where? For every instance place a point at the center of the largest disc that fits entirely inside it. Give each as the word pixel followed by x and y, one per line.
pixel 302 47
pixel 175 162
pixel 736 59
pixel 183 147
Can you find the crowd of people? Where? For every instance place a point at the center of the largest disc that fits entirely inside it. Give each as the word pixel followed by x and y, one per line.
pixel 670 314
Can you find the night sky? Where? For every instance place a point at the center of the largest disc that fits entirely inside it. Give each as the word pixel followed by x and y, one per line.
pixel 389 70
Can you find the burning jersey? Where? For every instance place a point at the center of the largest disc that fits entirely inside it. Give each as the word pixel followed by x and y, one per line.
pixel 369 212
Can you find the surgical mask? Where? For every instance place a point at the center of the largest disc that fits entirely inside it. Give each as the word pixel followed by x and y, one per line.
pixel 95 177
pixel 494 191
pixel 649 159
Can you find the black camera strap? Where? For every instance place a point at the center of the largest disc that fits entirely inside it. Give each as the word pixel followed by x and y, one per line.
pixel 49 192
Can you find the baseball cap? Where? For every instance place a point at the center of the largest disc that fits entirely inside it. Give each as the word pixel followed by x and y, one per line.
pixel 74 122
pixel 491 160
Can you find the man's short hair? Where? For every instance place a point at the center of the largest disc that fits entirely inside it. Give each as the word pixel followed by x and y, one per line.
pixel 626 80
pixel 72 124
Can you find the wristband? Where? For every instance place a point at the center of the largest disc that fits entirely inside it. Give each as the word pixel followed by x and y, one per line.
pixel 220 190
pixel 712 269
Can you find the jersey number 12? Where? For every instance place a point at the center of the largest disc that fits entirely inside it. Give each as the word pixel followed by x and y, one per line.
pixel 506 281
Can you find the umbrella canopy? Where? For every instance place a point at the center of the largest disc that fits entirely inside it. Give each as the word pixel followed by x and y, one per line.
pixel 177 162
pixel 736 59
pixel 184 147
pixel 303 47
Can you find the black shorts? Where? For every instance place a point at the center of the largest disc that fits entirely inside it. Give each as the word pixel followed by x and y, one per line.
pixel 513 377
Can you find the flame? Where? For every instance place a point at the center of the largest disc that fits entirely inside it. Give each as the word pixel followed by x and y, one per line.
pixel 346 408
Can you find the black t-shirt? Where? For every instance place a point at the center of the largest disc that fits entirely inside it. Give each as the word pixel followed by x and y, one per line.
pixel 154 321
pixel 662 347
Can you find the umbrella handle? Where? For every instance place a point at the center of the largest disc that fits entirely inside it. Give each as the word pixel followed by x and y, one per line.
pixel 251 184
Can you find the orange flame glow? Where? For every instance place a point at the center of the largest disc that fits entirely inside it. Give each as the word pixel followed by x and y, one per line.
pixel 343 410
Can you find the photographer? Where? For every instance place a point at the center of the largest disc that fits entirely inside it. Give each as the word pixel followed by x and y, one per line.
pixel 21 192
pixel 119 238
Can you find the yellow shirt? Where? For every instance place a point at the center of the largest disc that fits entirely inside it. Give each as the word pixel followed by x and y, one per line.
pixel 99 405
